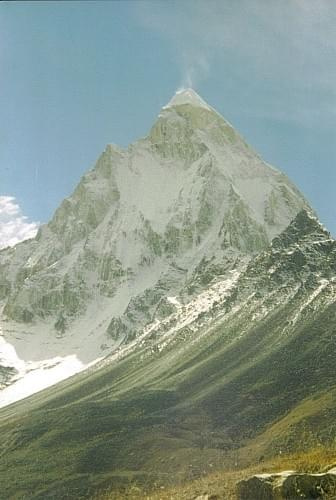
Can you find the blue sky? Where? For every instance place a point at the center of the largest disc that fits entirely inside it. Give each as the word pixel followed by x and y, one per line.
pixel 75 76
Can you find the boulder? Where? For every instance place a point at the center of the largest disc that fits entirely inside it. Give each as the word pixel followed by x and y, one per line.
pixel 288 485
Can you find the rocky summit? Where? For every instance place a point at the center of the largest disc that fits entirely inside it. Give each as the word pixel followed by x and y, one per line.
pixel 201 284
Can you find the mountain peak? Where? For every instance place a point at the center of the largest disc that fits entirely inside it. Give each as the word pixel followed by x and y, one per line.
pixel 187 96
pixel 304 226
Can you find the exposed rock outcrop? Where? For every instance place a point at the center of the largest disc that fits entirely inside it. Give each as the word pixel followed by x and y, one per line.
pixel 288 485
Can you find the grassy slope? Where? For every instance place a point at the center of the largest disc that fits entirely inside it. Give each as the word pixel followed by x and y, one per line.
pixel 238 392
pixel 222 483
pixel 180 413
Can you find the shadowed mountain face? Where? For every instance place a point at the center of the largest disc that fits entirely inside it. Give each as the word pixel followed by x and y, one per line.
pixel 201 276
pixel 244 368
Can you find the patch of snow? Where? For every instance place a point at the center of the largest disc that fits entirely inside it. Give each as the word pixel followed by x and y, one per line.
pixel 8 356
pixel 323 284
pixel 33 376
pixel 174 301
pixel 38 376
pixel 187 96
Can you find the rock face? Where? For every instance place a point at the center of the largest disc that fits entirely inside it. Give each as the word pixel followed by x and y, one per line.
pixel 189 202
pixel 288 486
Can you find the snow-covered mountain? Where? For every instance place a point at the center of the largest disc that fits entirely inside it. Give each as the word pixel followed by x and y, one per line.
pixel 171 217
pixel 200 286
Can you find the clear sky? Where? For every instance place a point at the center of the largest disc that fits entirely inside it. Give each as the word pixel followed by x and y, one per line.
pixel 75 76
